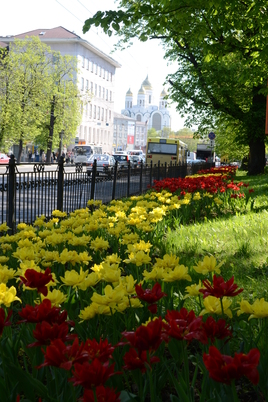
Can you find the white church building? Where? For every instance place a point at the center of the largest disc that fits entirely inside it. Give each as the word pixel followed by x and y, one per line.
pixel 146 109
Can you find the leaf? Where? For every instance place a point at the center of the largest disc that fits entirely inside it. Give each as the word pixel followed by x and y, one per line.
pixel 127 397
pixel 29 385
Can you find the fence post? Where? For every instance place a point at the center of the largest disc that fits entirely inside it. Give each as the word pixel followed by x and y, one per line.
pixel 141 177
pixel 93 179
pixel 11 194
pixel 158 171
pixel 151 173
pixel 114 182
pixel 128 179
pixel 60 184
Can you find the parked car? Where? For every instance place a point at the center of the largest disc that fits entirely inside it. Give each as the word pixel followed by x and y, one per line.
pixel 4 158
pixel 122 160
pixel 136 160
pixel 195 161
pixel 105 164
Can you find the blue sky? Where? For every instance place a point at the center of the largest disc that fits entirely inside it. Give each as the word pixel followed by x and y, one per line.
pixel 19 16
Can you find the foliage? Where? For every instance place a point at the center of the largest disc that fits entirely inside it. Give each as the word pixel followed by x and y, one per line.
pixel 188 136
pixel 221 51
pixel 152 133
pixel 104 308
pixel 32 77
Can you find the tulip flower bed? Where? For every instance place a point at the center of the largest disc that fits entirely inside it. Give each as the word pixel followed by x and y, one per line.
pixel 94 309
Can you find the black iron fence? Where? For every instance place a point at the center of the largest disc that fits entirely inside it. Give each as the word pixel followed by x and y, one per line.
pixel 27 195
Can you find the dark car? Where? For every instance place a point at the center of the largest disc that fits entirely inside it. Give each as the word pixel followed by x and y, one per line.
pixel 123 160
pixel 136 161
pixel 105 164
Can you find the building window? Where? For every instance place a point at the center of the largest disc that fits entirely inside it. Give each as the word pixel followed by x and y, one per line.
pixel 92 66
pixel 99 91
pixel 91 87
pixel 103 93
pixel 98 115
pixel 110 114
pixel 96 89
pixel 103 73
pixel 138 117
pixel 111 77
pixel 83 61
pixel 111 96
pixel 82 84
pixel 90 111
pixel 86 109
pixel 89 134
pixel 96 68
pixel 150 98
pixel 106 114
pixel 107 94
pixel 94 112
pixel 100 71
pixel 102 113
pixel 87 64
pixel 86 85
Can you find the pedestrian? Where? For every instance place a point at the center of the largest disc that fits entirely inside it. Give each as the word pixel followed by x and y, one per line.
pixel 30 156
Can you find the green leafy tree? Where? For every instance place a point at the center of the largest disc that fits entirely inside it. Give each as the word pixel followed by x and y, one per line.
pixel 152 133
pixel 221 50
pixel 32 76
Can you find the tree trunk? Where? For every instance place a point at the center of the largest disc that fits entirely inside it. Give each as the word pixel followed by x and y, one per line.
pixel 51 130
pixel 20 150
pixel 256 128
pixel 256 157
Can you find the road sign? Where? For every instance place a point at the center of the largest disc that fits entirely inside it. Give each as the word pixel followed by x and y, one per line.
pixel 211 136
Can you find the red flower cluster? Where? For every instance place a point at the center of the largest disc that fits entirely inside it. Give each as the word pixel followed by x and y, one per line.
pixel 58 354
pixel 45 333
pixel 184 325
pixel 211 183
pixel 146 337
pixel 43 312
pixel 220 288
pixel 38 280
pixel 216 329
pixel 92 374
pixel 223 368
pixel 150 296
pixel 140 361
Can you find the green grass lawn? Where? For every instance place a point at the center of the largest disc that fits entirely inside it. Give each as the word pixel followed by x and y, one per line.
pixel 241 241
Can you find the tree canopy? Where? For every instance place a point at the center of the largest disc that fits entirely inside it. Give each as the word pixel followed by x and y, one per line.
pixel 32 78
pixel 220 47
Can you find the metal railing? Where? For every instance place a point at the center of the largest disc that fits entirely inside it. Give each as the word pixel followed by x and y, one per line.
pixel 26 195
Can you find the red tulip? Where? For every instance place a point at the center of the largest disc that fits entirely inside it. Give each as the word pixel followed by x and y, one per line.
pixel 220 288
pixel 43 312
pixel 134 361
pixel 146 337
pixel 150 295
pixel 223 368
pixel 38 280
pixel 91 375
